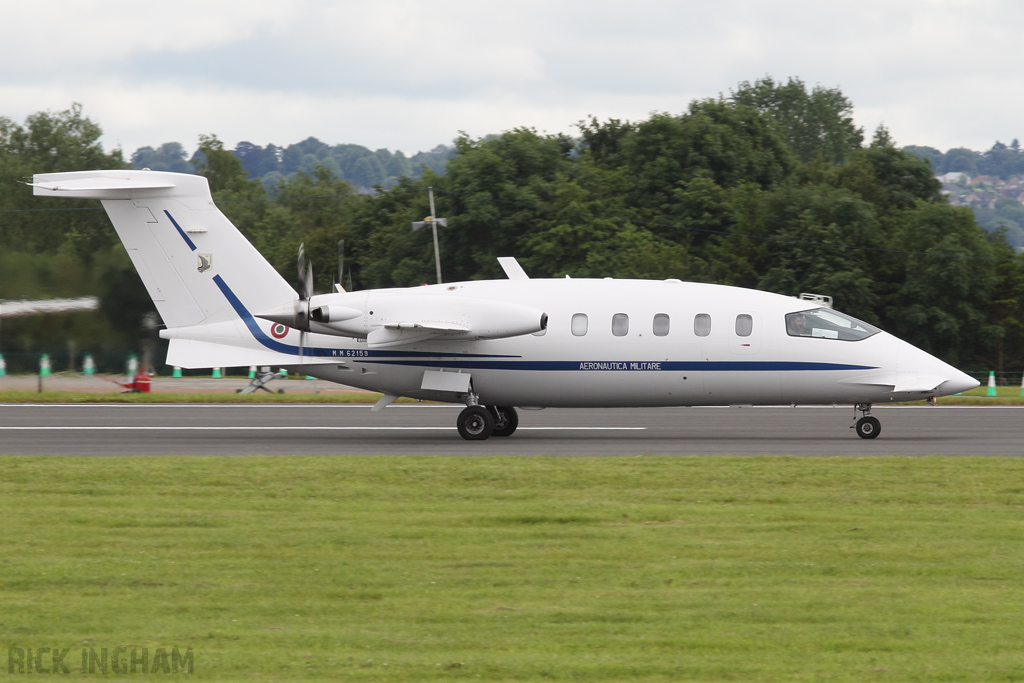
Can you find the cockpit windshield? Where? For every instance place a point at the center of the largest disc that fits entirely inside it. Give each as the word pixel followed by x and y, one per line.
pixel 825 323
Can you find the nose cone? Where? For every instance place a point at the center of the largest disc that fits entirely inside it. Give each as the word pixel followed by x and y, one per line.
pixel 958 383
pixel 923 372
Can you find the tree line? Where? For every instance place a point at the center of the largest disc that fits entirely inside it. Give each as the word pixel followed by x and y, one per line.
pixel 771 186
pixel 362 168
pixel 1001 161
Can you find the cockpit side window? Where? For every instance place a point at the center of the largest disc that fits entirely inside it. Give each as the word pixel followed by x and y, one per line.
pixel 824 323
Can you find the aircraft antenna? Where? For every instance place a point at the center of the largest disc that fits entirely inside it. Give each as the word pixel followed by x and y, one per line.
pixel 433 222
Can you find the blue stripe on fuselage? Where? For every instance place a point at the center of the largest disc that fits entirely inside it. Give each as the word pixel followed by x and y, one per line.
pixel 629 366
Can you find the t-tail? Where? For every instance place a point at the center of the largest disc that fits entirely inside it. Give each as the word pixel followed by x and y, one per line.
pixel 205 278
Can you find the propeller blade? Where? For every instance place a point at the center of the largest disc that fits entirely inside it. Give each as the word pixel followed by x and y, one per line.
pixel 302 305
pixel 305 274
pixel 341 262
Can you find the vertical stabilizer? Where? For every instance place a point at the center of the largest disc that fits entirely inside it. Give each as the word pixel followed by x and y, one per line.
pixel 186 251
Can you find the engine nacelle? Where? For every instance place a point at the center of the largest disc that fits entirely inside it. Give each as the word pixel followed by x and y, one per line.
pixel 431 316
pixel 333 314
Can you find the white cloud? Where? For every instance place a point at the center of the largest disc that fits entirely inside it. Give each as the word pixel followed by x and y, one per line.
pixel 410 75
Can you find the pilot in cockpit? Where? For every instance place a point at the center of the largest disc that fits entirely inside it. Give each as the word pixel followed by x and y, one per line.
pixel 797 325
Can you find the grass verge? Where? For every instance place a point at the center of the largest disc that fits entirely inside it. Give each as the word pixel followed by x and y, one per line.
pixel 523 569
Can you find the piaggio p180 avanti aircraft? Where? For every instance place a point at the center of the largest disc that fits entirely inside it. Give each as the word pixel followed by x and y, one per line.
pixel 495 344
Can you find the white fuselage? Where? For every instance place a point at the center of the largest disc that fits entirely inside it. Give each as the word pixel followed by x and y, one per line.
pixel 635 367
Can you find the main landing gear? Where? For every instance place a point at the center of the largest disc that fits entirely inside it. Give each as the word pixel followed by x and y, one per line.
pixel 477 422
pixel 867 427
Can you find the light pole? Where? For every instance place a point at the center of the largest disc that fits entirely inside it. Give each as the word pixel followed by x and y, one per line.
pixel 433 222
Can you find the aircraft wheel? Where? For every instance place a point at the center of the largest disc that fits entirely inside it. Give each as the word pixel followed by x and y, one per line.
pixel 475 423
pixel 868 427
pixel 506 420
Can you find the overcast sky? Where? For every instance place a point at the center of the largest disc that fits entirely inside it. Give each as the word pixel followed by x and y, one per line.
pixel 411 75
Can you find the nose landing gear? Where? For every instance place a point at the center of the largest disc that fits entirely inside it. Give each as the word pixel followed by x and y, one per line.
pixel 867 427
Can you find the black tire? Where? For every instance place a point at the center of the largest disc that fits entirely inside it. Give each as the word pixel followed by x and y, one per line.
pixel 280 391
pixel 868 427
pixel 506 420
pixel 475 423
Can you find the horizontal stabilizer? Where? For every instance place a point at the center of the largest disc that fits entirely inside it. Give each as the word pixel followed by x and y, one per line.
pixel 93 184
pixel 189 353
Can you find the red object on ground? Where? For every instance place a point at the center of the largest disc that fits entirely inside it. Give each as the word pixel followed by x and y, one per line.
pixel 139 384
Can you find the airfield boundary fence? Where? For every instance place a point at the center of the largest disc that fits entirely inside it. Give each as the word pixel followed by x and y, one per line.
pixel 1004 378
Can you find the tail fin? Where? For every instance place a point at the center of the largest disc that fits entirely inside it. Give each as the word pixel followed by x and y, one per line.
pixel 187 252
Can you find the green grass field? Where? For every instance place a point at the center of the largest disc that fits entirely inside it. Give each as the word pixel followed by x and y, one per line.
pixel 523 569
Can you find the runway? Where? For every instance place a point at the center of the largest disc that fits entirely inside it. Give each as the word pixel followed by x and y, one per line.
pixel 339 429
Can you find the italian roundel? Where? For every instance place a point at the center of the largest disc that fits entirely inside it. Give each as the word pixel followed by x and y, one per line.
pixel 278 330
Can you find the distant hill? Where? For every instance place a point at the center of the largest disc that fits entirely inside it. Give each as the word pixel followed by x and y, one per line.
pixel 990 183
pixel 1002 161
pixel 361 167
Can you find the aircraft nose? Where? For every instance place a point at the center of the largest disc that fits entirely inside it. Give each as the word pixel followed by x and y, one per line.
pixel 960 382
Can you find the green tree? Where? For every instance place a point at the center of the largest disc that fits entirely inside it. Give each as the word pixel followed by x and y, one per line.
pixel 933 156
pixel 219 166
pixel 816 123
pixel 169 156
pixel 51 142
pixel 729 143
pixel 490 196
pixel 948 281
pixel 311 209
pixel 821 242
pixel 1006 308
pixel 889 178
pixel 960 159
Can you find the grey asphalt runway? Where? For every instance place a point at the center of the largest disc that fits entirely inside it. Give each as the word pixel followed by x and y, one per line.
pixel 91 429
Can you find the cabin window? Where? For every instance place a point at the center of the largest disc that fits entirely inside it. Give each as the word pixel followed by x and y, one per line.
pixel 620 324
pixel 744 325
pixel 579 324
pixel 824 323
pixel 661 322
pixel 702 324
